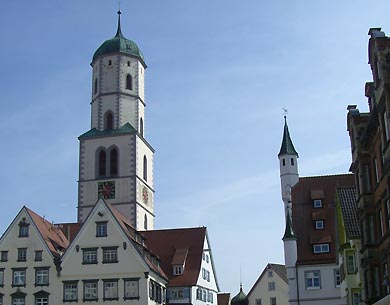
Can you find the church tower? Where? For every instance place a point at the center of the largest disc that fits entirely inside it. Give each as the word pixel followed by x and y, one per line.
pixel 116 161
pixel 288 162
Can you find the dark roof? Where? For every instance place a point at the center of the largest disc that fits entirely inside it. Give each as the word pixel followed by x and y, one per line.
pixel 125 129
pixel 348 203
pixel 240 298
pixel 279 269
pixel 166 242
pixel 288 232
pixel 223 298
pixel 119 44
pixel 287 147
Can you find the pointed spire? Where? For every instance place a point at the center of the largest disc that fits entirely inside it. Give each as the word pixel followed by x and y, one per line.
pixel 119 31
pixel 287 147
pixel 288 232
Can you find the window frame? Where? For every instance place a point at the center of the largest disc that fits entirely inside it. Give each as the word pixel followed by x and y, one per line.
pixel 112 259
pixel 317 203
pixel 90 256
pixel 99 231
pixel 337 277
pixel 21 274
pixel 319 227
pixel 126 290
pixel 271 286
pixel 45 278
pixel 38 257
pixel 22 255
pixel 272 301
pixel 90 290
pixel 351 268
pixel 2 277
pixel 313 278
pixel 110 281
pixel 323 248
pixel 4 256
pixel 70 287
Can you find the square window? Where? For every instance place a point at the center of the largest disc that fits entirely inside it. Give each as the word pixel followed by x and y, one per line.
pixel 317 203
pixel 101 229
pixel 132 289
pixel 22 254
pixel 271 286
pixel 4 256
pixel 321 248
pixel 319 224
pixel 177 270
pixel 42 277
pixel 90 256
pixel 110 255
pixel 90 291
pixel 19 277
pixel 38 255
pixel 70 291
pixel 272 301
pixel 110 290
pixel 312 280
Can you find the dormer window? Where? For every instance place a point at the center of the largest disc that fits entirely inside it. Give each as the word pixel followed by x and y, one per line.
pixel 177 270
pixel 317 203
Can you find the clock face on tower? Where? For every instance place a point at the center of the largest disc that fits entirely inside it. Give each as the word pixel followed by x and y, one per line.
pixel 106 189
pixel 145 195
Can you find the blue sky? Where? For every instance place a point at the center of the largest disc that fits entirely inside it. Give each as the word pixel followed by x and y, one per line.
pixel 219 74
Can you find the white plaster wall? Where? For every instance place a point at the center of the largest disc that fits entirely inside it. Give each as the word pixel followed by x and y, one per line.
pixel 128 111
pixel 11 242
pixel 141 80
pixel 212 285
pixel 328 292
pixel 143 150
pixel 109 76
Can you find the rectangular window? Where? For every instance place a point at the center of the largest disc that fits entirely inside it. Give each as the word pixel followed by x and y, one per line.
pixel 22 254
pixel 381 228
pixel 70 291
pixel 312 279
pixel 110 289
pixel 258 302
pixel 110 255
pixel 19 277
pixel 131 289
pixel 23 230
pixel 41 300
pixel 38 255
pixel 337 278
pixel 271 286
pixel 18 300
pixel 90 290
pixel 386 276
pixel 178 293
pixel 272 301
pixel 90 256
pixel 1 278
pixel 351 264
pixel 270 273
pixel 42 276
pixel 356 298
pixel 101 229
pixel 177 270
pixel 319 224
pixel 321 248
pixel 317 203
pixel 4 256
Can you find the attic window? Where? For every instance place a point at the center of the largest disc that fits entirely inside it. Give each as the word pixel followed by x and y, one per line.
pixel 23 228
pixel 177 270
pixel 317 203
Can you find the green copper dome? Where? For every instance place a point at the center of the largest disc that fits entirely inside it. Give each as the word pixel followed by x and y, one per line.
pixel 119 44
pixel 240 298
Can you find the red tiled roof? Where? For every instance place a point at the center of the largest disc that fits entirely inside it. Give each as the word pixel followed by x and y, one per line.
pixel 304 215
pixel 223 298
pixel 166 242
pixel 53 236
pixel 70 230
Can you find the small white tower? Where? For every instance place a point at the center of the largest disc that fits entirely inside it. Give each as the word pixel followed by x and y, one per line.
pixel 116 161
pixel 288 162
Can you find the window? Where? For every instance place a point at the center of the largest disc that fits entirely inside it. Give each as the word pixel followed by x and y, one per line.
pixel 110 288
pixel 95 86
pixel 337 278
pixel 270 273
pixel 110 62
pixel 319 224
pixel 113 162
pixel 1 278
pixel 258 302
pixel 23 228
pixel 38 255
pixel 381 228
pixel 101 229
pixel 90 256
pixel 129 82
pixel 145 222
pixel 272 301
pixel 386 276
pixel 206 274
pixel 22 254
pixel 207 258
pixel 145 174
pixel 108 120
pixel 41 298
pixel 128 63
pixel 178 293
pixel 19 277
pixel 110 255
pixel 356 299
pixel 131 289
pixel 317 203
pixel 210 296
pixel 90 290
pixel 321 248
pixel 42 276
pixel 19 299
pixel 351 264
pixel 141 127
pixel 4 256
pixel 292 161
pixel 70 291
pixel 102 163
pixel 271 286
pixel 312 279
pixel 177 270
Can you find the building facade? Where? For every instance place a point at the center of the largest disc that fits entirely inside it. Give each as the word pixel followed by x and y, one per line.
pixel 271 288
pixel 370 136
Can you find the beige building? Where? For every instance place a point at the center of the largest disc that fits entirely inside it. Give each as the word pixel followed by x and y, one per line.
pixel 271 288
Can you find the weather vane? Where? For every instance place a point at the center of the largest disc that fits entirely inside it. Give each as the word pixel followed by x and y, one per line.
pixel 285 112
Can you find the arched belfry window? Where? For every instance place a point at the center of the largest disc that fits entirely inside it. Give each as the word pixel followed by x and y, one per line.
pixel 145 174
pixel 114 162
pixel 102 163
pixel 141 127
pixel 95 86
pixel 129 82
pixel 145 222
pixel 108 120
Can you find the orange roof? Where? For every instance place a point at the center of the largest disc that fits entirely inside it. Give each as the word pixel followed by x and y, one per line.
pixel 223 298
pixel 53 236
pixel 167 242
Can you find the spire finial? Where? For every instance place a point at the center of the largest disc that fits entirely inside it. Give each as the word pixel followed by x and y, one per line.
pixel 119 31
pixel 285 112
